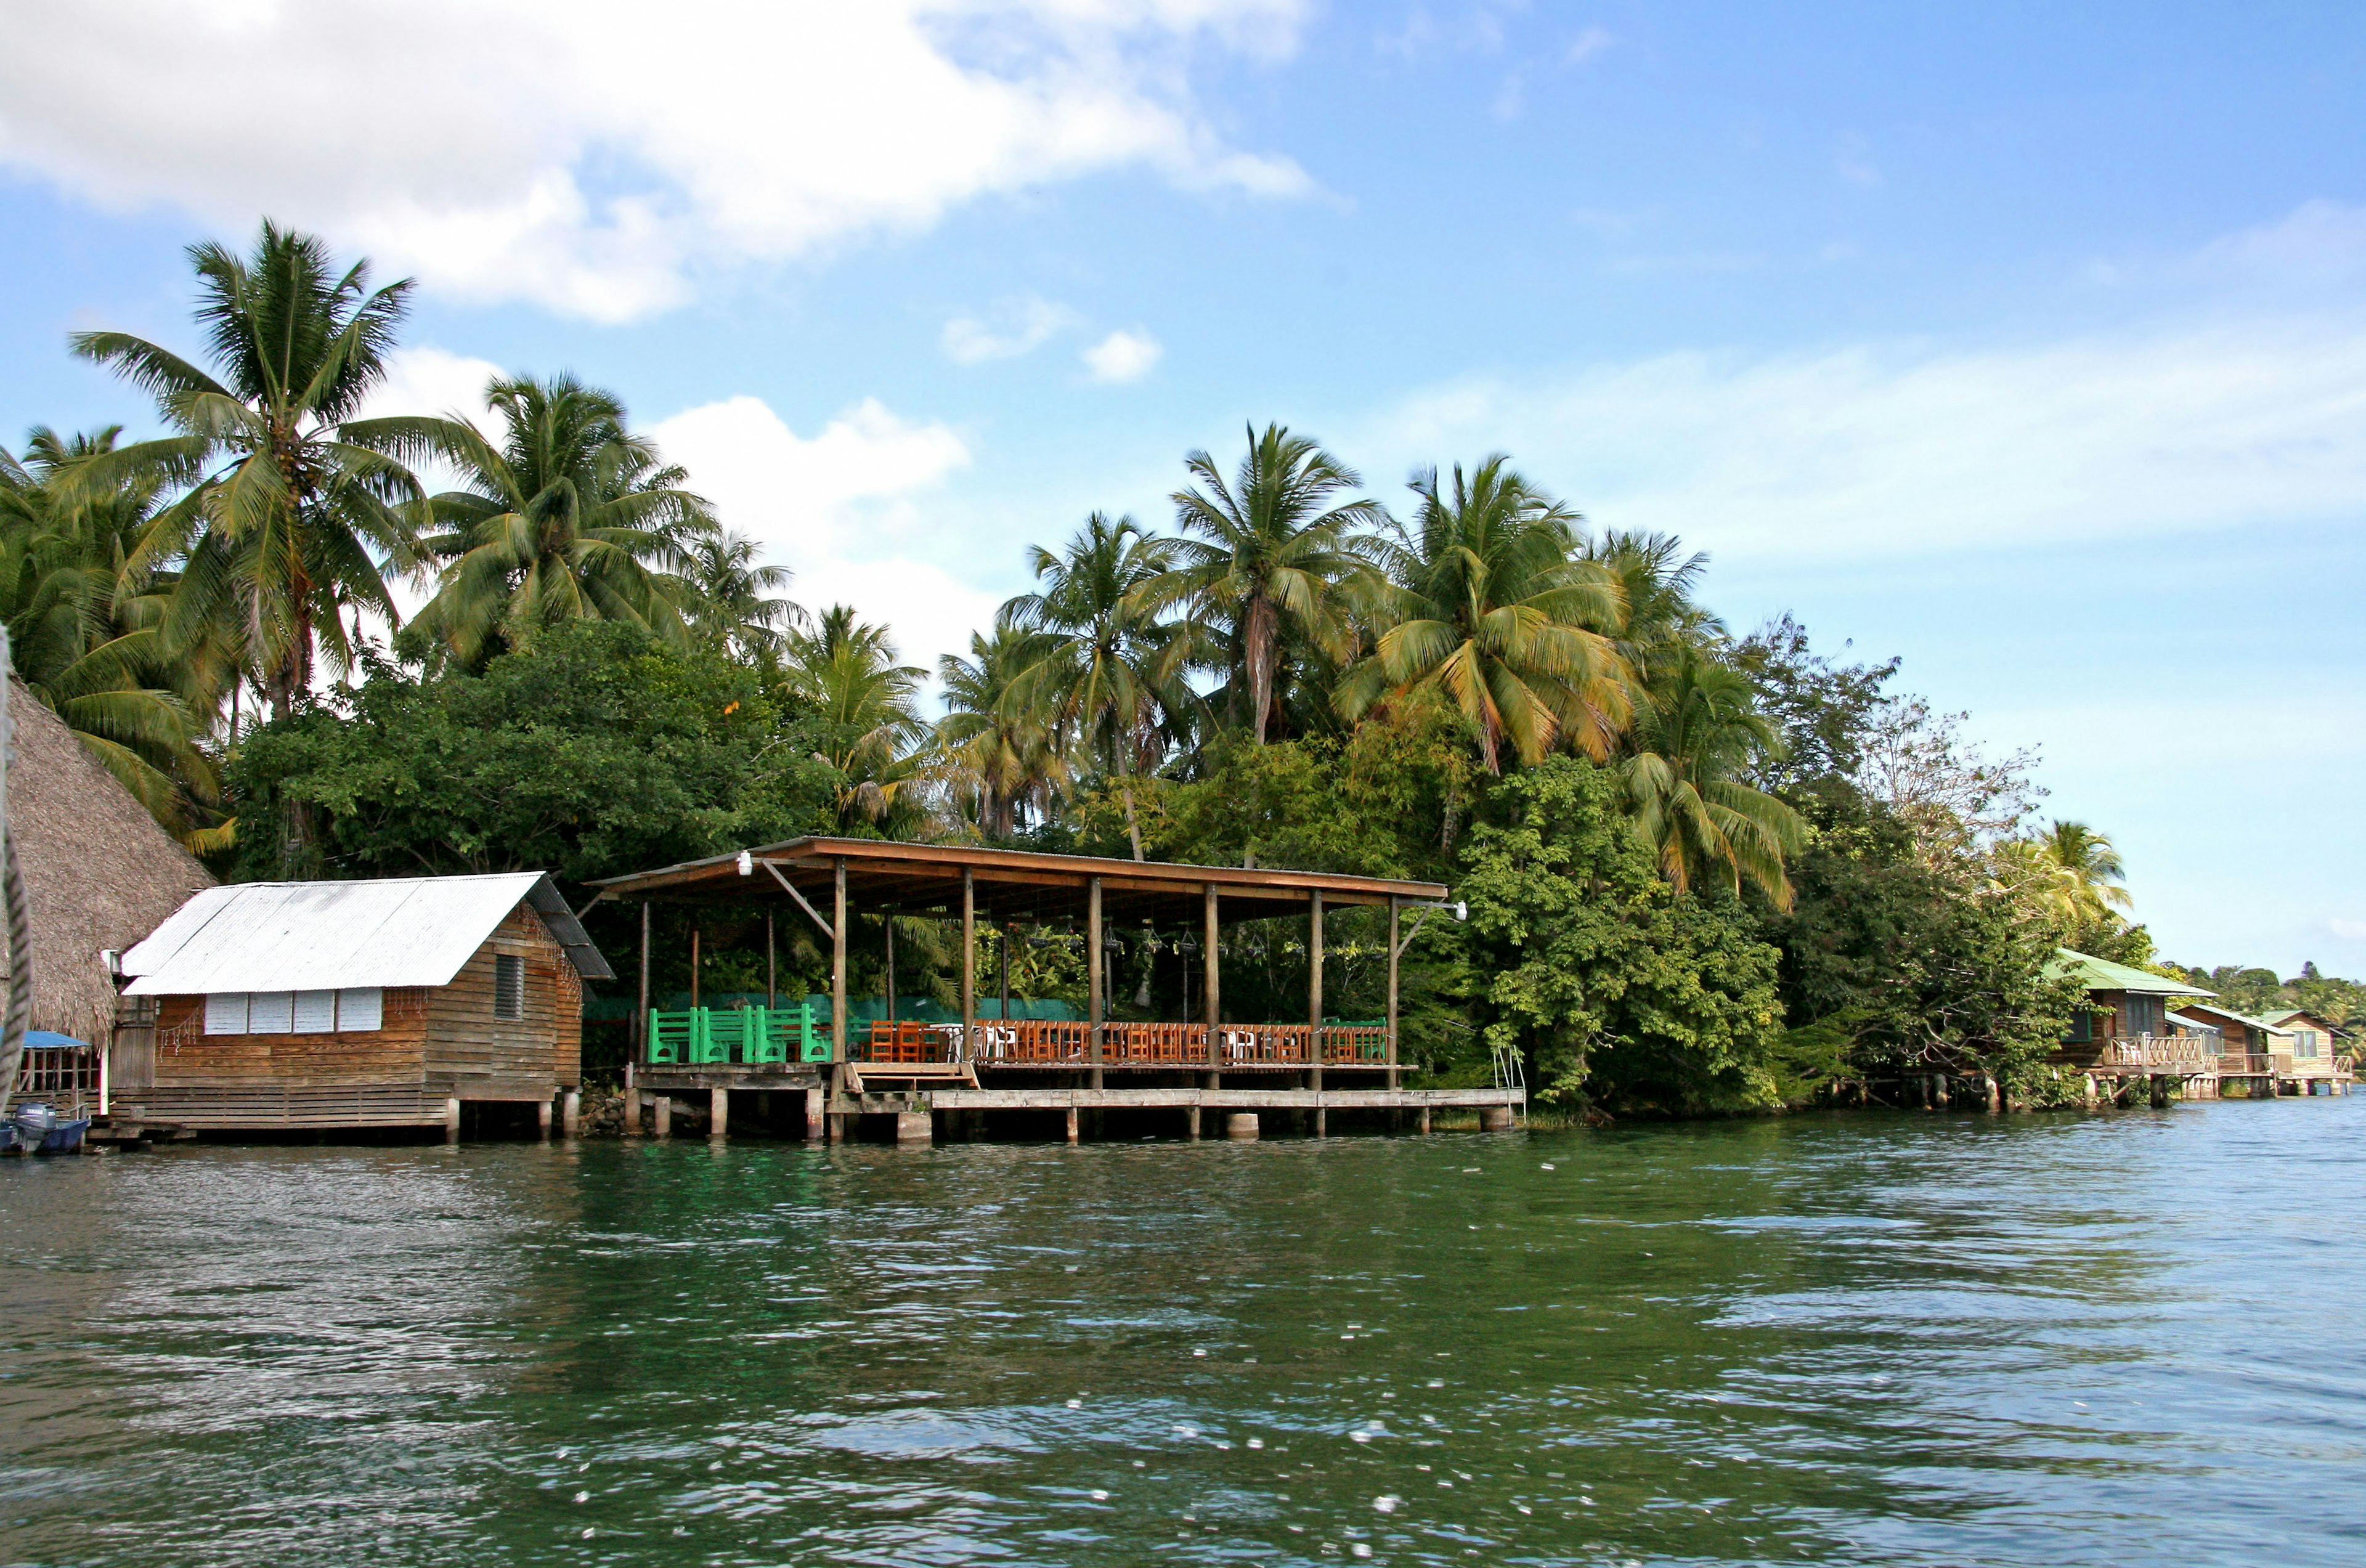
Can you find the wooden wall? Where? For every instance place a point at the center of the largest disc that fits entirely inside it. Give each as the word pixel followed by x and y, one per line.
pixel 186 1057
pixel 474 1055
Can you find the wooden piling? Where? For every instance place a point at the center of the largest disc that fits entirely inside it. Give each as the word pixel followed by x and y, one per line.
pixel 452 1120
pixel 542 1121
pixel 718 1112
pixel 662 1116
pixel 570 1115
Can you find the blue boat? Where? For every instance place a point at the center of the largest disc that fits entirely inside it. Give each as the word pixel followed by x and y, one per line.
pixel 37 1128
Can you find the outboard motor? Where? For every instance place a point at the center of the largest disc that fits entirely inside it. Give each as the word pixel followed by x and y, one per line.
pixel 34 1120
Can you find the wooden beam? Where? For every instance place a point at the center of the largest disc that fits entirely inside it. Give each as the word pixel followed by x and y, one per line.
pixel 838 1021
pixel 1213 977
pixel 791 889
pixel 772 964
pixel 1394 952
pixel 969 958
pixel 1093 969
pixel 641 1018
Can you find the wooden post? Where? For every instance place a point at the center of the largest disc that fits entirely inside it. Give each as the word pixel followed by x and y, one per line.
pixel 693 969
pixel 771 966
pixel 1093 976
pixel 641 1018
pixel 1425 1119
pixel 1072 1123
pixel 1193 1124
pixel 890 921
pixel 1393 992
pixel 814 1131
pixel 1007 931
pixel 1315 997
pixel 718 1112
pixel 969 959
pixel 632 1111
pixel 662 1116
pixel 542 1121
pixel 570 1115
pixel 838 1022
pixel 1212 985
pixel 452 1120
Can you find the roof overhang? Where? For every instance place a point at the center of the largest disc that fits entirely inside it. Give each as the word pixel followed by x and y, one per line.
pixel 1008 884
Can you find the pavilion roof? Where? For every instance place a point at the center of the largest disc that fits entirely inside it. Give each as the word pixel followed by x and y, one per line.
pixel 1016 885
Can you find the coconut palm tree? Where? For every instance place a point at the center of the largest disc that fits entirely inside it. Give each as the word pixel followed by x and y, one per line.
pixel 1658 579
pixel 1486 607
pixel 1000 751
pixel 843 673
pixel 2084 871
pixel 83 625
pixel 287 519
pixel 1266 555
pixel 1110 680
pixel 565 515
pixel 1691 746
pixel 733 598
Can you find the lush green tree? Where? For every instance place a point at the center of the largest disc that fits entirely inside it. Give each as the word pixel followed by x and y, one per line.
pixel 1110 680
pixel 733 597
pixel 564 515
pixel 1264 555
pixel 864 708
pixel 1825 713
pixel 2084 870
pixel 1658 582
pixel 1486 609
pixel 83 623
pixel 289 517
pixel 1001 751
pixel 596 751
pixel 1620 993
pixel 1693 744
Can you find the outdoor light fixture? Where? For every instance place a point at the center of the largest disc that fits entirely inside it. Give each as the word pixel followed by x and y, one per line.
pixel 747 863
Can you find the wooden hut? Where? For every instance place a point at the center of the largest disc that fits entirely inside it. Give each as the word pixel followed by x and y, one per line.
pixel 99 872
pixel 356 1004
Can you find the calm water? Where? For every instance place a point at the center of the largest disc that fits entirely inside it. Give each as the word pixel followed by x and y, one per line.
pixel 2128 1339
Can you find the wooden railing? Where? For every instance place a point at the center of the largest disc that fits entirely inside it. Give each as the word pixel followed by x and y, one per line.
pixel 2179 1053
pixel 63 1073
pixel 2238 1064
pixel 1069 1043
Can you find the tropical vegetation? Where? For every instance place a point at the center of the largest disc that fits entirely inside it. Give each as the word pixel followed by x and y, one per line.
pixel 1700 871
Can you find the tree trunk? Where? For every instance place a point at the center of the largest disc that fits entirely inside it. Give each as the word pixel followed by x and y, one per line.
pixel 1133 826
pixel 1257 638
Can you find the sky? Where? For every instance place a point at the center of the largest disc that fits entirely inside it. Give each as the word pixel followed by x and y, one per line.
pixel 2023 343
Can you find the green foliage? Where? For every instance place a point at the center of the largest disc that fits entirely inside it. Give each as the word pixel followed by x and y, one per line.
pixel 593 753
pixel 1621 993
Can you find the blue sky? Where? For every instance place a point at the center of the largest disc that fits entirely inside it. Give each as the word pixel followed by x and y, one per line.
pixel 2027 343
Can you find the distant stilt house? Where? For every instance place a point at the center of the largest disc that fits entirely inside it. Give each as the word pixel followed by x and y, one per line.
pixel 2314 1036
pixel 99 875
pixel 360 1004
pixel 2139 1025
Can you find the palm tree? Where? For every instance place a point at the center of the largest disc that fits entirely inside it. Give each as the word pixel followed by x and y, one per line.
pixel 568 515
pixel 1692 745
pixel 1001 751
pixel 844 673
pixel 2084 870
pixel 1266 554
pixel 1111 679
pixel 83 625
pixel 1658 579
pixel 731 595
pixel 287 518
pixel 1486 607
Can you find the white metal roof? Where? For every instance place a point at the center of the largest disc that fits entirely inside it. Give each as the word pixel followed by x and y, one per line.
pixel 307 936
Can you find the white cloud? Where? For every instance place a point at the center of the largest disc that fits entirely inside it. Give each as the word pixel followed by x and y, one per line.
pixel 2347 931
pixel 428 381
pixel 1123 356
pixel 1887 451
pixel 1588 44
pixel 1019 327
pixel 583 156
pixel 841 509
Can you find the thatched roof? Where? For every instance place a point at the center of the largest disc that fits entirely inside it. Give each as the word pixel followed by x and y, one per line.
pixel 100 871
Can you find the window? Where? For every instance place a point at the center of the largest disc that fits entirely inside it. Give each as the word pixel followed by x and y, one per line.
pixel 2304 1042
pixel 2145 1015
pixel 2082 1027
pixel 361 1011
pixel 509 985
pixel 358 1010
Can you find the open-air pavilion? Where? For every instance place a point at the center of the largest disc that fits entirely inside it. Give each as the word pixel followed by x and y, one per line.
pixel 990 1061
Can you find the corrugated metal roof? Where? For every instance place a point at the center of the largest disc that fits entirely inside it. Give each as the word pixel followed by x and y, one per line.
pixel 2242 1018
pixel 302 936
pixel 2102 975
